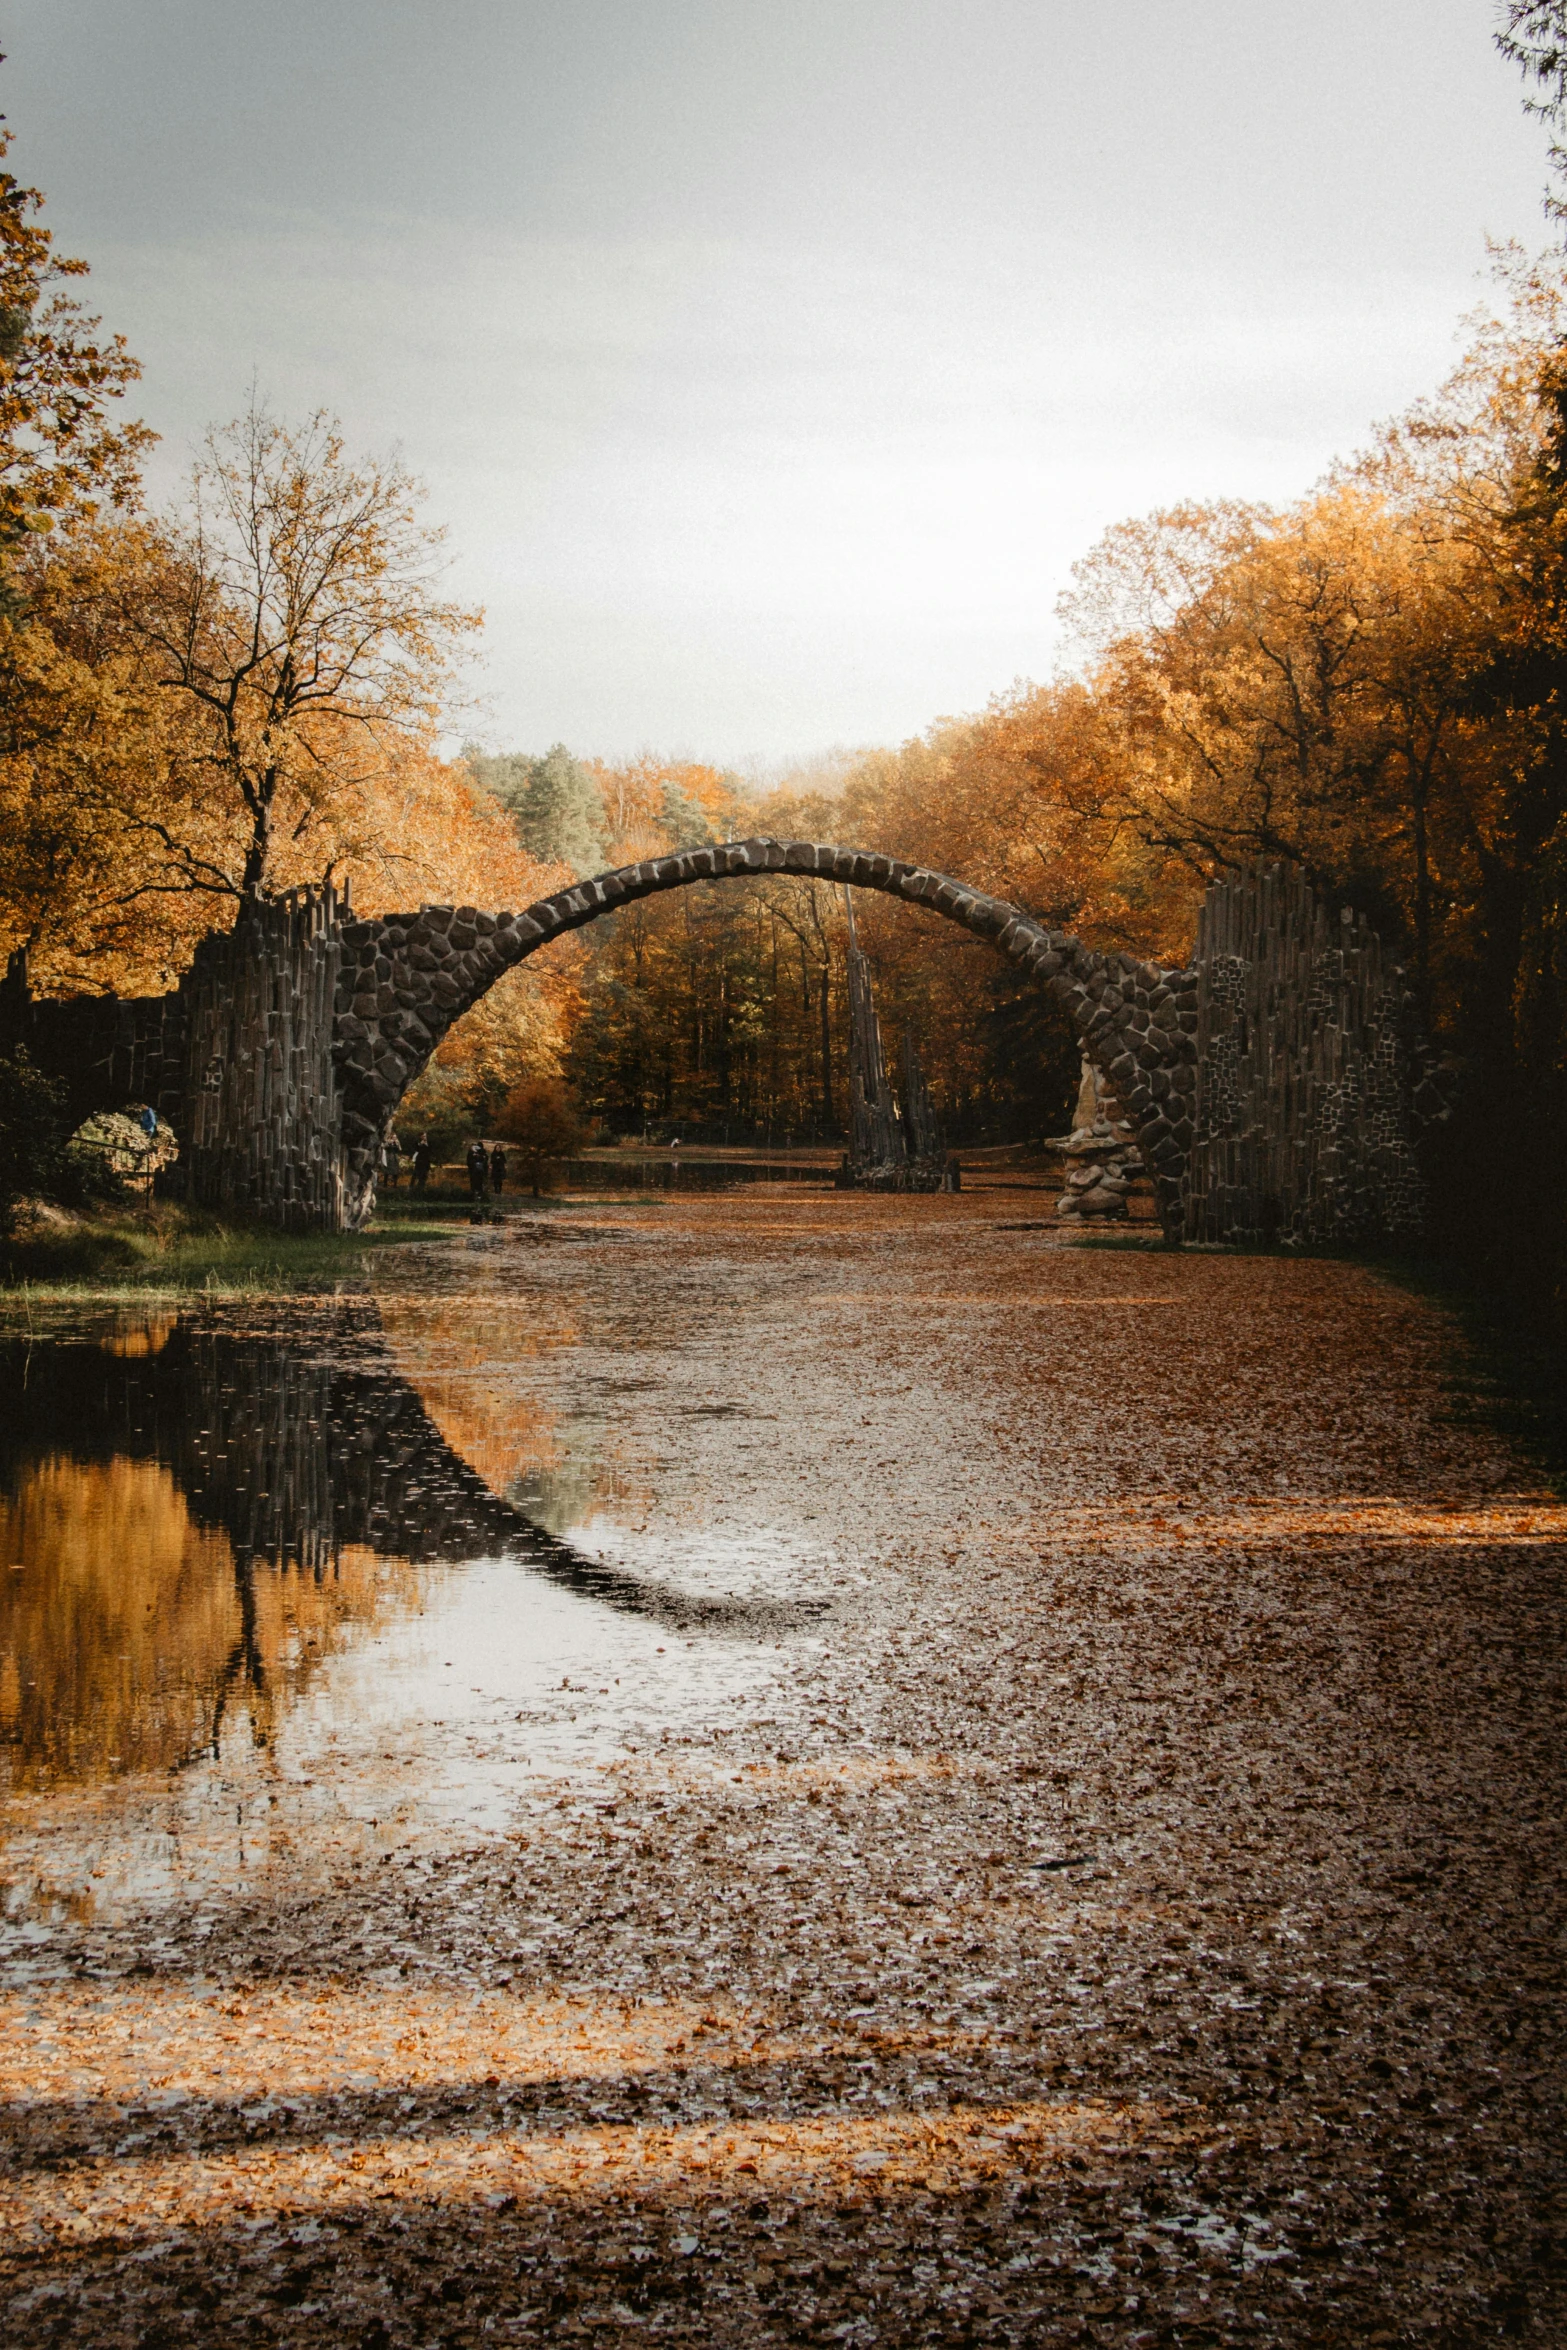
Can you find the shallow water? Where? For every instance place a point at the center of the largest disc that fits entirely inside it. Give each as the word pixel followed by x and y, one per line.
pixel 1090 1857
pixel 290 1582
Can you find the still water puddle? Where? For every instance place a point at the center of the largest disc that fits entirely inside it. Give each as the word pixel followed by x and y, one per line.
pixel 272 1592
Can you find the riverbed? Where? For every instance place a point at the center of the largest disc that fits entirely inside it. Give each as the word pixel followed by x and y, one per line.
pixel 777 1766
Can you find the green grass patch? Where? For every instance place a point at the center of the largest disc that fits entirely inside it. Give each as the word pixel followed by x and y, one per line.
pixel 167 1252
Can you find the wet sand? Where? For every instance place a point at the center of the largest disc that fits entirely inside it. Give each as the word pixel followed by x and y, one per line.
pixel 1119 1900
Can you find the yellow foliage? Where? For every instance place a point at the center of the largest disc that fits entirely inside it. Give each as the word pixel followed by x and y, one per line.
pixel 637 798
pixel 127 1634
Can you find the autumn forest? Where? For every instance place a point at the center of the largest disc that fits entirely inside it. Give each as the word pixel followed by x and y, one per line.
pixel 263 685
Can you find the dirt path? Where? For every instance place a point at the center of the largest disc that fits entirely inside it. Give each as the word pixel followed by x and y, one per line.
pixel 1127 1910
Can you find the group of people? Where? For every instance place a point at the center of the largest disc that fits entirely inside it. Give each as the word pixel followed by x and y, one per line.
pixel 486 1168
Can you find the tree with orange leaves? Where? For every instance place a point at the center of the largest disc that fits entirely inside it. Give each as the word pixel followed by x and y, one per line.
pixel 231 704
pixel 61 453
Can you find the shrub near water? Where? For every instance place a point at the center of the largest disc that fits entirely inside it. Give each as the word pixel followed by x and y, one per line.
pixel 58 1190
pixel 114 1149
pixel 540 1122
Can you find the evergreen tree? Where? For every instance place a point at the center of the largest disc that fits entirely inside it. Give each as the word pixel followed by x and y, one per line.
pixel 504 774
pixel 556 805
pixel 685 819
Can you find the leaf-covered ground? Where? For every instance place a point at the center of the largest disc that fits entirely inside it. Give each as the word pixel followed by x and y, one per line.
pixel 1130 1912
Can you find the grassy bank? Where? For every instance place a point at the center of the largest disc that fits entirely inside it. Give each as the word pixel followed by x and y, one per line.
pixel 165 1251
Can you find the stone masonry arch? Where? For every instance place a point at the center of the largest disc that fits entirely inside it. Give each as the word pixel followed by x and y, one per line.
pixel 405 979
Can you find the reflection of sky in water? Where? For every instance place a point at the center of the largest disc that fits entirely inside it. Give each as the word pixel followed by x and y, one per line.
pixel 424 1727
pixel 560 1498
pixel 182 1708
pixel 502 1673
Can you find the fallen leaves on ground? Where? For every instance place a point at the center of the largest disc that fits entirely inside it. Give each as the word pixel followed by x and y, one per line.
pixel 1132 1916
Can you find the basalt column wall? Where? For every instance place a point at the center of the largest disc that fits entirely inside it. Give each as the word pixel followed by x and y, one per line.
pixel 260 1125
pixel 105 1051
pixel 1313 1084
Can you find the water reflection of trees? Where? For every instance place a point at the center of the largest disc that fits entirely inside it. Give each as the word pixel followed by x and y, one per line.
pixel 128 1629
pixel 117 1621
pixel 198 1507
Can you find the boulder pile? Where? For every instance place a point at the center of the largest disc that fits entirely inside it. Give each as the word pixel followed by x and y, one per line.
pixel 1101 1188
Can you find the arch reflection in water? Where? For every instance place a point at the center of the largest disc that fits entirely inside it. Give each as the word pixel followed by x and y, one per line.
pixel 193 1510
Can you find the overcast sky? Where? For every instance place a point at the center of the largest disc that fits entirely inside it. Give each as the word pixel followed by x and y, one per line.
pixel 771 361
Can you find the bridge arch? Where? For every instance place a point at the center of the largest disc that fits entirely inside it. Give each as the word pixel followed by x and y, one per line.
pixel 405 979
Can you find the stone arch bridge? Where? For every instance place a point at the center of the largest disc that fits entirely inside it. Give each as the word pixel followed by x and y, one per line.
pixel 1276 1085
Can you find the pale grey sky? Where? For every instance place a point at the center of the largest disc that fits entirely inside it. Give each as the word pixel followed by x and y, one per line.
pixel 772 360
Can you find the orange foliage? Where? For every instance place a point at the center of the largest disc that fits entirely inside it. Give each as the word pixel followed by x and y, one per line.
pixel 640 796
